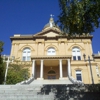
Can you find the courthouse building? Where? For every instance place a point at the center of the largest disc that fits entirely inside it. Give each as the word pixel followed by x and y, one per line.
pixel 52 56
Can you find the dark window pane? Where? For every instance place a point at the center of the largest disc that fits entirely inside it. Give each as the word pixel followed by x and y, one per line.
pixel 79 58
pixel 24 58
pixel 74 57
pixel 51 77
pixel 53 51
pixel 78 76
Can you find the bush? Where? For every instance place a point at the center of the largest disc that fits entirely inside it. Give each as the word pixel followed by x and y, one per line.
pixel 16 74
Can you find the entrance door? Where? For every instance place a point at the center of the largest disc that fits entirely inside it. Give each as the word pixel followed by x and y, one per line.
pixel 51 74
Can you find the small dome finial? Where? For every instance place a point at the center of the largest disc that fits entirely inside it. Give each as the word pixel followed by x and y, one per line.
pixel 51 16
pixel 51 22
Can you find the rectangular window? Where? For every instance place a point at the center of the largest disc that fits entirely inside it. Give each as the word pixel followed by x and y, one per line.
pixel 78 77
pixel 79 58
pixel 74 57
pixel 28 58
pixel 24 58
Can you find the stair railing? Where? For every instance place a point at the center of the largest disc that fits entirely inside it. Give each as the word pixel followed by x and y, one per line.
pixel 74 81
pixel 26 81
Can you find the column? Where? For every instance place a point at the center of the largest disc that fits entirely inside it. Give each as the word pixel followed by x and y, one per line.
pixel 33 68
pixel 69 69
pixel 41 69
pixel 60 68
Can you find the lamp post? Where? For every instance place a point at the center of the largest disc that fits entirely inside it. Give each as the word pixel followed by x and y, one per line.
pixel 7 64
pixel 89 60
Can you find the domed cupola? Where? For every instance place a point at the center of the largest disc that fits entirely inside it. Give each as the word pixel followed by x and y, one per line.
pixel 51 24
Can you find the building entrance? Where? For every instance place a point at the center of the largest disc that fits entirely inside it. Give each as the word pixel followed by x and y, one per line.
pixel 51 74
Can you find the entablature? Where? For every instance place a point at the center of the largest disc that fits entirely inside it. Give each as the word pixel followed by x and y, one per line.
pixel 51 57
pixel 48 38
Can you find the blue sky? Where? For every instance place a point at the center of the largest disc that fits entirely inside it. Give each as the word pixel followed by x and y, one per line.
pixel 29 17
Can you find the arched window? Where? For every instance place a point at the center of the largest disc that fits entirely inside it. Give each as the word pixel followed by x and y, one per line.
pixel 26 56
pixel 51 51
pixel 78 75
pixel 76 53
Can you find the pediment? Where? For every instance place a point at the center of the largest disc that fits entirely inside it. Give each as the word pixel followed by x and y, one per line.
pixel 48 33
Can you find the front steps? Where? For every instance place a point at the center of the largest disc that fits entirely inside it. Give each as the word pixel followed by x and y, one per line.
pixel 32 91
pixel 54 81
pixel 52 92
pixel 23 92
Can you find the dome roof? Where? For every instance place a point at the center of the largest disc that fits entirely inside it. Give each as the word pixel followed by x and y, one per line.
pixel 51 24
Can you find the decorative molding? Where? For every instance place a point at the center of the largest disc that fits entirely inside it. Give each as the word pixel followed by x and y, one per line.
pixel 26 63
pixel 78 68
pixel 25 46
pixel 51 57
pixel 76 45
pixel 13 43
pixel 89 42
pixel 46 48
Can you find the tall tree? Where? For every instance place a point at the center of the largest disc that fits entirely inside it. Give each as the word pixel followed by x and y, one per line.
pixel 1 47
pixel 17 73
pixel 2 65
pixel 79 16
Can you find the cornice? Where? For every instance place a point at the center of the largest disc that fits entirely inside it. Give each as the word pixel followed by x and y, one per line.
pixel 51 57
pixel 45 37
pixel 40 36
pixel 97 56
pixel 81 63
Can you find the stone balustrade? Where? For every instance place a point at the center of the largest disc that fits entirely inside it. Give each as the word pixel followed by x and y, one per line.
pixel 74 81
pixel 26 81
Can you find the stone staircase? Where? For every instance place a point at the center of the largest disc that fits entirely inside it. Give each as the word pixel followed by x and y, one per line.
pixel 32 89
pixel 52 92
pixel 23 92
pixel 54 81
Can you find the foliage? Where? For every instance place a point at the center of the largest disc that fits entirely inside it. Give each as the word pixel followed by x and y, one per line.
pixel 2 65
pixel 73 91
pixel 2 70
pixel 79 16
pixel 16 73
pixel 1 47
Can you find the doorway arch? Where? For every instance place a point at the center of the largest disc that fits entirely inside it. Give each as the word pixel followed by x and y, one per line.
pixel 51 74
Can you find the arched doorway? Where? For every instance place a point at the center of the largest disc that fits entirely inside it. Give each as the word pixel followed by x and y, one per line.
pixel 51 74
